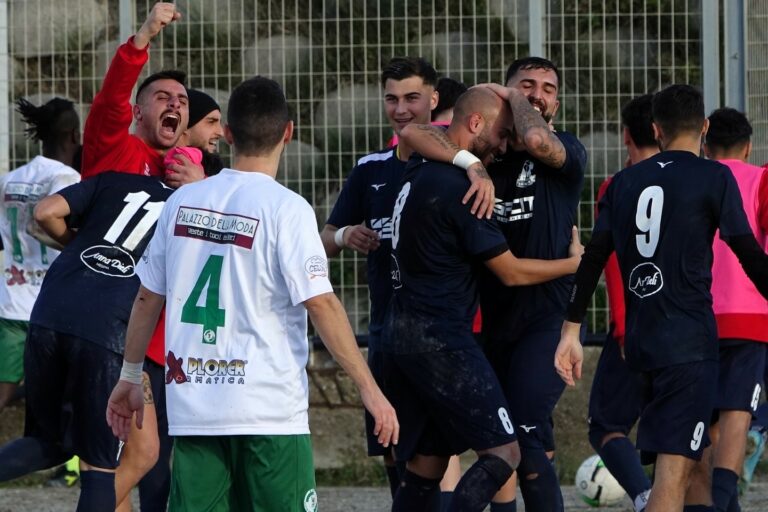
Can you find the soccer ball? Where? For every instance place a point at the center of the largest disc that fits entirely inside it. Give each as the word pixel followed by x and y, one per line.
pixel 596 485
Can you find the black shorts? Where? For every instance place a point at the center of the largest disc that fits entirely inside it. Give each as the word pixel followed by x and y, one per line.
pixel 525 367
pixel 740 380
pixel 446 403
pixel 678 402
pixel 375 363
pixel 68 383
pixel 616 398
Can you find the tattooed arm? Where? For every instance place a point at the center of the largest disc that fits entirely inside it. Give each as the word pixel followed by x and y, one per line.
pixel 539 140
pixel 432 143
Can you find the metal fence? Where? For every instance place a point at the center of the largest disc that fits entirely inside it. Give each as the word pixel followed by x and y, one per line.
pixel 327 54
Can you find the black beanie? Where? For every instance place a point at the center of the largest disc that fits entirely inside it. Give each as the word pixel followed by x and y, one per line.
pixel 200 105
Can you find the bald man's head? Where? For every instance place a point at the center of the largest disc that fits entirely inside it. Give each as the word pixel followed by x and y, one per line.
pixel 484 120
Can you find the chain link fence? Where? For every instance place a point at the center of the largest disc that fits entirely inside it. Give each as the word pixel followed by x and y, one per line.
pixel 327 54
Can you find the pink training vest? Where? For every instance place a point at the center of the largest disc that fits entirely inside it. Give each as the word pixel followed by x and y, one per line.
pixel 741 312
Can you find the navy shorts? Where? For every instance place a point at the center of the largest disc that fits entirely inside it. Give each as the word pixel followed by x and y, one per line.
pixel 616 398
pixel 375 363
pixel 68 383
pixel 525 367
pixel 740 380
pixel 446 403
pixel 678 402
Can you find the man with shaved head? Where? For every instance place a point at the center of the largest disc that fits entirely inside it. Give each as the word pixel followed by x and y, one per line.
pixel 445 392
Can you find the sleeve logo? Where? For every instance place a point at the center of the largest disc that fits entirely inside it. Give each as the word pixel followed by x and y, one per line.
pixel 316 266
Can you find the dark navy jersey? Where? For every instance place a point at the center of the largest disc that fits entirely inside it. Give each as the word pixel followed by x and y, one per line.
pixel 662 215
pixel 89 290
pixel 536 206
pixel 369 195
pixel 436 244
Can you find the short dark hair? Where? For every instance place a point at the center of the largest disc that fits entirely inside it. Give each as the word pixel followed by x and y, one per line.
pixel 728 128
pixel 532 63
pixel 449 91
pixel 49 123
pixel 257 115
pixel 168 74
pixel 400 68
pixel 637 117
pixel 678 108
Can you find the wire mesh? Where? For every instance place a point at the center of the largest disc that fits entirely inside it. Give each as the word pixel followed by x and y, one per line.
pixel 327 54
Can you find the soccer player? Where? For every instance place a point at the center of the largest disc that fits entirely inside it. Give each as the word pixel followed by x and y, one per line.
pixel 538 185
pixel 615 401
pixel 662 229
pixel 446 394
pixel 245 248
pixel 77 332
pixel 57 125
pixel 361 219
pixel 740 311
pixel 448 91
pixel 161 115
pixel 204 128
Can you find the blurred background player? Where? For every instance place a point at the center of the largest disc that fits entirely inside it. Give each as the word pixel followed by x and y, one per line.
pixel 662 229
pixel 740 311
pixel 538 185
pixel 261 271
pixel 26 260
pixel 615 401
pixel 448 92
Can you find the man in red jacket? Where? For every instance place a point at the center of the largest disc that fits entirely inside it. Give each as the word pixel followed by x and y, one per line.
pixel 161 113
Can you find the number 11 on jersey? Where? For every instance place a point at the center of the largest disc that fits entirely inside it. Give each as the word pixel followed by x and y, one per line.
pixel 210 316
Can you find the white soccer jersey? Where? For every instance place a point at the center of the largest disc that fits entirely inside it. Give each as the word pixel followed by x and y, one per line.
pixel 26 260
pixel 236 255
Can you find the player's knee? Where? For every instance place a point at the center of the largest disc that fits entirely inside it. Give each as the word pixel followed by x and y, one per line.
pixel 509 453
pixel 499 469
pixel 143 455
pixel 533 463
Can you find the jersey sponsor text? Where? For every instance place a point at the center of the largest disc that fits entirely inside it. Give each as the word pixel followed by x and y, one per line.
pixel 216 227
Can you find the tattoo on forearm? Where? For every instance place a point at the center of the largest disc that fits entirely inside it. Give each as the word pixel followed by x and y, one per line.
pixel 439 137
pixel 548 148
pixel 147 388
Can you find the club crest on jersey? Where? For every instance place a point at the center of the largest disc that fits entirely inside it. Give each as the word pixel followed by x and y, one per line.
pixel 526 178
pixel 310 501
pixel 109 260
pixel 204 371
pixel 645 280
pixel 316 266
pixel 216 227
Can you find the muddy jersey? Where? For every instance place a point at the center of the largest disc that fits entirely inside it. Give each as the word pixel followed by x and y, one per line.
pixel 25 259
pixel 90 288
pixel 236 255
pixel 369 196
pixel 436 245
pixel 536 206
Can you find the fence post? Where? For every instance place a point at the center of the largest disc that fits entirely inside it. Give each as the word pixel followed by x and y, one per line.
pixel 536 28
pixel 127 11
pixel 710 58
pixel 735 55
pixel 5 114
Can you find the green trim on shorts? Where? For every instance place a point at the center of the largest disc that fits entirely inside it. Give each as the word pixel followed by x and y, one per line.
pixel 13 334
pixel 256 473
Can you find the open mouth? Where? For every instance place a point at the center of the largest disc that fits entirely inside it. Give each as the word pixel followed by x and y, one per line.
pixel 170 122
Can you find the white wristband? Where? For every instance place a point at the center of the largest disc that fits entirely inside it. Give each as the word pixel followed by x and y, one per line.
pixel 465 159
pixel 338 237
pixel 131 372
